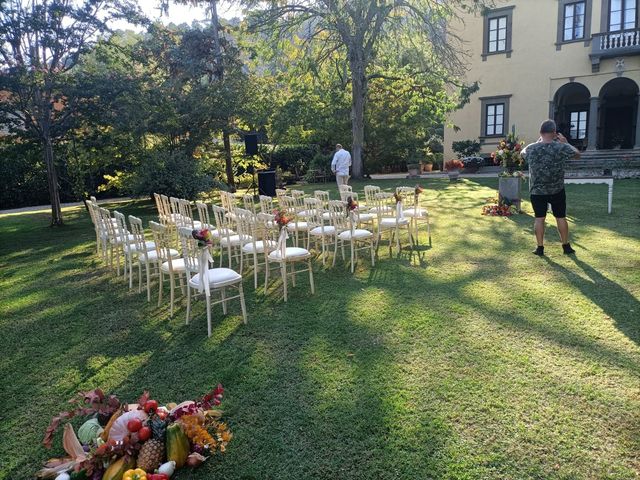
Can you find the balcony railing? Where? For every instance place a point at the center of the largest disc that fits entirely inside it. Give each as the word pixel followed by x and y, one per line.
pixel 614 44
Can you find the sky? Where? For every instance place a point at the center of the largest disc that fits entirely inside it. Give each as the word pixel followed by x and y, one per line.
pixel 180 13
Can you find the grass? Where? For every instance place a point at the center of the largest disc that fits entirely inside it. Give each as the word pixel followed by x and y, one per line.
pixel 472 359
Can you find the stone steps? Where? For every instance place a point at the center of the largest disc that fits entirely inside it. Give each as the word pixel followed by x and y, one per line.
pixel 606 160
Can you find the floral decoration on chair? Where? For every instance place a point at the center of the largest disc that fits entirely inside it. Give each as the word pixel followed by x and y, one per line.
pixel 203 236
pixel 281 219
pixel 351 205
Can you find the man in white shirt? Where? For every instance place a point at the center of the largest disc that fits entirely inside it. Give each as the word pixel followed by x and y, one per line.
pixel 340 165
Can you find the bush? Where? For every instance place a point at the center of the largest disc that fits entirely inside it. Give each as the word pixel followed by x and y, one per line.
pixel 290 157
pixel 171 173
pixel 466 148
pixel 472 164
pixel 23 173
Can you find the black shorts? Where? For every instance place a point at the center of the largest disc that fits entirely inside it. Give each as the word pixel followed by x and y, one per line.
pixel 558 203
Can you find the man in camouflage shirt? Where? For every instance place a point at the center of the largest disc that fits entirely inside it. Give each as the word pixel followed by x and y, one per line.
pixel 546 159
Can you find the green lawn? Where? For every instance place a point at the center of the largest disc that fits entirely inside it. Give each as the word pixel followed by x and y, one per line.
pixel 472 359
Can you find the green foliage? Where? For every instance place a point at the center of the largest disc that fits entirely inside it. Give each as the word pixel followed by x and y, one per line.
pixel 170 173
pixel 466 148
pixel 23 174
pixel 472 163
pixel 288 157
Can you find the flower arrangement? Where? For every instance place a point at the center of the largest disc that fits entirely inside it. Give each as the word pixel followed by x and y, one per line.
pixel 453 164
pixel 509 153
pixel 397 197
pixel 418 190
pixel 351 205
pixel 515 173
pixel 141 441
pixel 281 218
pixel 203 236
pixel 498 208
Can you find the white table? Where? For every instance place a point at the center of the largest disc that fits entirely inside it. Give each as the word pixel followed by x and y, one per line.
pixel 585 180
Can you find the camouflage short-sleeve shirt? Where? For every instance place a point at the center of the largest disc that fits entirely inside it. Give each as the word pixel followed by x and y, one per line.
pixel 546 166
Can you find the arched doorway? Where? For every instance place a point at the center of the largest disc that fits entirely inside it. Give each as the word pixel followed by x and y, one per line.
pixel 572 113
pixel 618 112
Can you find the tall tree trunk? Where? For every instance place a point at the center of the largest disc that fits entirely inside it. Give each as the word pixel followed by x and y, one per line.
pixel 52 180
pixel 358 95
pixel 227 160
pixel 218 73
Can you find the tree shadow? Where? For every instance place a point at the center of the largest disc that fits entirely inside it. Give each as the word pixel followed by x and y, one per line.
pixel 614 300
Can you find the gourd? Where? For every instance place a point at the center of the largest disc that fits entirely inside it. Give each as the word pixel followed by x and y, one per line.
pixel 177 445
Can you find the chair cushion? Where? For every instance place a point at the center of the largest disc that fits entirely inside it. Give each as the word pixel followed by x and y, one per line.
pixel 298 226
pixel 177 264
pixel 290 252
pixel 133 247
pixel 366 217
pixel 392 222
pixel 328 230
pixel 217 277
pixel 234 240
pixel 326 216
pixel 358 234
pixel 259 246
pixel 383 209
pixel 216 233
pixel 152 256
pixel 415 212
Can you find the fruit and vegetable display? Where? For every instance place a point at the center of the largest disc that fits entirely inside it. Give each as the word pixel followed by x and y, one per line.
pixel 140 441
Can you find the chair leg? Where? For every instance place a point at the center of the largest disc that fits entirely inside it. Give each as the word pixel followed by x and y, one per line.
pixel 293 274
pixel 353 262
pixel 313 287
pixel 223 294
pixel 188 304
pixel 255 269
pixel 373 261
pixel 208 300
pixel 161 284
pixel 139 277
pixel 266 276
pixel 283 271
pixel 148 282
pixel 242 305
pixel 172 293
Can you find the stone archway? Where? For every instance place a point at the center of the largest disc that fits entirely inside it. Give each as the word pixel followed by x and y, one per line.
pixel 618 114
pixel 571 113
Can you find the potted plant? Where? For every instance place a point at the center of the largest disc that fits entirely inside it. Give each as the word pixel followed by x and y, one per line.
pixel 452 168
pixel 509 156
pixel 427 165
pixel 472 164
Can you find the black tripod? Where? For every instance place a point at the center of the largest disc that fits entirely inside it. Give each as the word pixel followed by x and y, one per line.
pixel 251 168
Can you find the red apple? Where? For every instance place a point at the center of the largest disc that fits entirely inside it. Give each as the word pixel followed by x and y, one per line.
pixel 150 405
pixel 144 434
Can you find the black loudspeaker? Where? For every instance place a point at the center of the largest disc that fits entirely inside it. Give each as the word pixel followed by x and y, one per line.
pixel 267 182
pixel 251 144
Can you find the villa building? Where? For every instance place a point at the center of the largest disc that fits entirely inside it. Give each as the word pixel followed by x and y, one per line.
pixel 575 61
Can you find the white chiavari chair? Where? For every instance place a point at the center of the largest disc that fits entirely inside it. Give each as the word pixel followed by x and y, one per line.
pixel 208 281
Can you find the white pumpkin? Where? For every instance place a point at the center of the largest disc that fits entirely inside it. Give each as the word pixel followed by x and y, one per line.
pixel 119 428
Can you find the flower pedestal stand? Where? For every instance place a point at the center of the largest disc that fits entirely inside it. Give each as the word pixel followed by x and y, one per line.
pixel 510 191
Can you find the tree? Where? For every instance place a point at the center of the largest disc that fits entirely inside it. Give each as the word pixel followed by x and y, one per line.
pixel 41 41
pixel 358 27
pixel 217 72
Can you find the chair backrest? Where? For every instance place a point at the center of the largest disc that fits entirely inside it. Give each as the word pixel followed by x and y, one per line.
pixel 190 249
pixel 228 201
pixel 266 204
pixel 343 188
pixel 121 229
pixel 159 205
pixel 313 209
pixel 106 223
pixel 338 215
pixel 298 198
pixel 222 224
pixel 269 230
pixel 345 194
pixel 137 230
pixel 247 202
pixel 384 204
pixel 323 196
pixel 186 212
pixel 92 213
pixel 175 208
pixel 288 204
pixel 163 239
pixel 203 215
pixel 280 192
pixel 244 222
pixel 369 192
pixel 166 207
